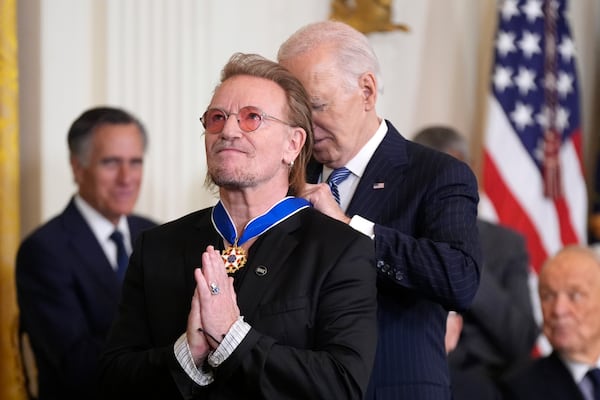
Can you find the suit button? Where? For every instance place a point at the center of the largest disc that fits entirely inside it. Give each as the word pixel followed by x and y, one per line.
pixel 399 276
pixel 380 264
pixel 385 268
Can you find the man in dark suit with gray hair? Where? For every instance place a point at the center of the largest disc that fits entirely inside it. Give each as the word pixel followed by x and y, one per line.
pixel 419 207
pixel 69 271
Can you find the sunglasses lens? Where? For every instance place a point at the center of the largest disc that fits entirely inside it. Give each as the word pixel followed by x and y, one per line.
pixel 214 120
pixel 250 118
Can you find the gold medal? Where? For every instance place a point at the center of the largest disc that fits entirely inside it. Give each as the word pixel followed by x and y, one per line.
pixel 234 258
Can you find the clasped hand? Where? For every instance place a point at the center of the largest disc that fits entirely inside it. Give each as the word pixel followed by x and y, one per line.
pixel 214 306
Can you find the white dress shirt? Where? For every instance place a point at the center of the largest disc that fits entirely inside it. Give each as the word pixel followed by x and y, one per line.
pixel 357 166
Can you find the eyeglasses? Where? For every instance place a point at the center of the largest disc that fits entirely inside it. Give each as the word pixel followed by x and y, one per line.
pixel 249 119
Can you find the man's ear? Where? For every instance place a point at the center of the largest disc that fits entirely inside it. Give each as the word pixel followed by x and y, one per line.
pixel 368 87
pixel 77 169
pixel 297 139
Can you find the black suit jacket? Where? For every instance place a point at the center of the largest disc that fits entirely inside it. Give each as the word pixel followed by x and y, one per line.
pixel 499 329
pixel 546 378
pixel 424 206
pixel 313 314
pixel 67 294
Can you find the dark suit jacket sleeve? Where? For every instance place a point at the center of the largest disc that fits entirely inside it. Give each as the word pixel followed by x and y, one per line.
pixel 429 243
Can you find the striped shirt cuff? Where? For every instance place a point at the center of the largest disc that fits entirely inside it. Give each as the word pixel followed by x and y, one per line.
pixel 231 341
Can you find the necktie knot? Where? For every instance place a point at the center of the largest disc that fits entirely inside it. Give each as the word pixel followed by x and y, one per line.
pixel 116 236
pixel 337 176
pixel 122 256
pixel 594 375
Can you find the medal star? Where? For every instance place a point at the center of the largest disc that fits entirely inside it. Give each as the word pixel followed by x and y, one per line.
pixel 234 258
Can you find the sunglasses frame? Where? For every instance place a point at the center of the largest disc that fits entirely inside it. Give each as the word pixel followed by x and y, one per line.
pixel 252 110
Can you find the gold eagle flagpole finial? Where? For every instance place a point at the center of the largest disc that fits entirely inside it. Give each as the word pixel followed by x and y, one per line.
pixel 366 16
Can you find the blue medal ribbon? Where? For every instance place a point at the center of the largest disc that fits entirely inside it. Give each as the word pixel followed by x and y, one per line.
pixel 234 256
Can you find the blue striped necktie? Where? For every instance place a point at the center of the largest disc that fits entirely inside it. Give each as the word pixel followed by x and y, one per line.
pixel 337 177
pixel 122 256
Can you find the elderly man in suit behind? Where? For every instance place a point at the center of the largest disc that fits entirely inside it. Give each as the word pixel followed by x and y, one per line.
pixel 69 270
pixel 419 206
pixel 569 291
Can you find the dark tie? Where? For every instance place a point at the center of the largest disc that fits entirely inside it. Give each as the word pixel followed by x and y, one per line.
pixel 594 375
pixel 337 177
pixel 122 256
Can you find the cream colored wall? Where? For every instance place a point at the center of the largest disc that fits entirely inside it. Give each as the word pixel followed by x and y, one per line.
pixel 161 60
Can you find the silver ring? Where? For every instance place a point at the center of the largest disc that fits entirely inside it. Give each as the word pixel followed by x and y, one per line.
pixel 214 289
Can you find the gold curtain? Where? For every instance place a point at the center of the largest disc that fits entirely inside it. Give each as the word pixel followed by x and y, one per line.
pixel 12 385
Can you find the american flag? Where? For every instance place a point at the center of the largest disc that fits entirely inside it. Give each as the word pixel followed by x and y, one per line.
pixel 533 177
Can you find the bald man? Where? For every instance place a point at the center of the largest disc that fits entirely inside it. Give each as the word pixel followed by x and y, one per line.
pixel 569 290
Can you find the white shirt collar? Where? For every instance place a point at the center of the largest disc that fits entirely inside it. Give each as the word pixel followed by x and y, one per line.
pixel 577 369
pixel 358 163
pixel 357 166
pixel 100 226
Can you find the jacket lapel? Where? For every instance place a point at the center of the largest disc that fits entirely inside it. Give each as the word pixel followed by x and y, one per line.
pixel 86 246
pixel 564 385
pixel 384 172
